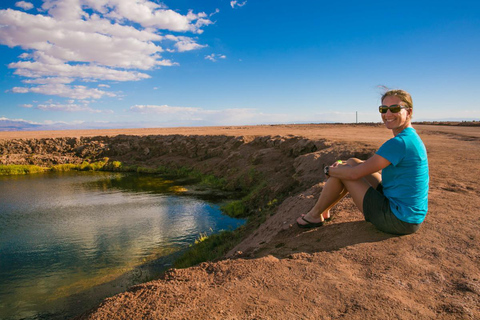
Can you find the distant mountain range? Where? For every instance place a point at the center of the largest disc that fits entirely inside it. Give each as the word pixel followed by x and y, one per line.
pixel 22 125
pixel 447 120
pixel 18 125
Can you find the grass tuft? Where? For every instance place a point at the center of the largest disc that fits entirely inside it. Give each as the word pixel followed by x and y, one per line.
pixel 209 248
pixel 14 169
pixel 64 167
pixel 203 236
pixel 235 209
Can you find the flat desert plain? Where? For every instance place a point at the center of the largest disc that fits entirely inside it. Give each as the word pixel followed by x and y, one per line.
pixel 344 269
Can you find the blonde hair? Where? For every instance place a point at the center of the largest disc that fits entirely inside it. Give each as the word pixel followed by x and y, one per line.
pixel 402 95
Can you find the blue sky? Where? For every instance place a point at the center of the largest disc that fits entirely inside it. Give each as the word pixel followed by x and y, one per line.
pixel 138 63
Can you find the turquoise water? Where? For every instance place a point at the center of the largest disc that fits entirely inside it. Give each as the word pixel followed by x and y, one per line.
pixel 68 240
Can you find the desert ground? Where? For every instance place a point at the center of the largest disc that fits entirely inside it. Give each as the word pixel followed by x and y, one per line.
pixel 345 269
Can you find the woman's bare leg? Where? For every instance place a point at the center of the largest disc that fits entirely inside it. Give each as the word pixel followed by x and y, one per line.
pixel 373 179
pixel 332 193
pixel 335 189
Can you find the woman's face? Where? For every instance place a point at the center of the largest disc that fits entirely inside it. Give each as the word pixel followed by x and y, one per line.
pixel 396 121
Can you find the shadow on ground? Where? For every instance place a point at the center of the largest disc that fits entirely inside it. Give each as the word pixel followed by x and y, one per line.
pixel 330 237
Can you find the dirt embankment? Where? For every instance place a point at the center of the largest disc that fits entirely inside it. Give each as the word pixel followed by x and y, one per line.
pixel 345 269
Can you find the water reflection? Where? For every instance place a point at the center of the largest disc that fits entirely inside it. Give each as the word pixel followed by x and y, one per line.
pixel 63 234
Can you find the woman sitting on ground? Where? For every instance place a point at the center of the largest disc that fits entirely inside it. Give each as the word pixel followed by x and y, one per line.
pixel 395 201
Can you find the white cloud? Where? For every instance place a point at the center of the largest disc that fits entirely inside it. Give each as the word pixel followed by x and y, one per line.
pixel 57 41
pixel 62 90
pixel 83 71
pixel 192 116
pixel 183 46
pixel 148 14
pixel 214 57
pixel 24 5
pixel 49 80
pixel 165 110
pixel 69 107
pixel 92 40
pixel 185 43
pixel 7 119
pixel 237 3
pixel 20 90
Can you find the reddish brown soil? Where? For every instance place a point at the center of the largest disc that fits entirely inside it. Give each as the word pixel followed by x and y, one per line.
pixel 345 269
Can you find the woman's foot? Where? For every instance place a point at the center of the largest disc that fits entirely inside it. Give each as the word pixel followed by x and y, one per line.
pixel 305 221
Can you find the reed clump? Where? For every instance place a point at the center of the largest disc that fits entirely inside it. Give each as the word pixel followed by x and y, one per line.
pixel 14 169
pixel 209 248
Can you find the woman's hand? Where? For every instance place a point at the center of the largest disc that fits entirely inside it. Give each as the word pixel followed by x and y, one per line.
pixel 353 171
pixel 326 169
pixel 339 169
pixel 337 163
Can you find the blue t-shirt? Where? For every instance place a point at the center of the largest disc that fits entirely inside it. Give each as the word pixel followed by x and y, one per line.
pixel 405 180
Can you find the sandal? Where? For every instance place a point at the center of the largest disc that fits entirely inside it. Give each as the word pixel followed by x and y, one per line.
pixel 329 218
pixel 309 224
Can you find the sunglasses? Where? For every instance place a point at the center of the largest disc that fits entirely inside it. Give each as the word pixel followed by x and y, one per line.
pixel 394 108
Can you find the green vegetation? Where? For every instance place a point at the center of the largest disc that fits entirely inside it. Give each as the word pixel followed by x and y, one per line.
pixel 114 166
pixel 235 209
pixel 203 236
pixel 207 180
pixel 84 166
pixel 213 182
pixel 14 169
pixel 64 167
pixel 209 248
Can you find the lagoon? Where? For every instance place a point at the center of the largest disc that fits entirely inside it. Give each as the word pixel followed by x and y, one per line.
pixel 68 240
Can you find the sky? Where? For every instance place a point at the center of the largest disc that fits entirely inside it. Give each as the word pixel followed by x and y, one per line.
pixel 85 64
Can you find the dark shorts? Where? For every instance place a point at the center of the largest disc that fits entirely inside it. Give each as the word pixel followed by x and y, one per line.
pixel 376 209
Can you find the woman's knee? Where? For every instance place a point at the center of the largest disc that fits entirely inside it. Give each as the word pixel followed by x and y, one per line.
pixel 354 162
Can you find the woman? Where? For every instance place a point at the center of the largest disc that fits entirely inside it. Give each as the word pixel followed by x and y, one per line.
pixel 395 201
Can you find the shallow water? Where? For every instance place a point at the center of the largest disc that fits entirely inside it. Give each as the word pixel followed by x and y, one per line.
pixel 68 240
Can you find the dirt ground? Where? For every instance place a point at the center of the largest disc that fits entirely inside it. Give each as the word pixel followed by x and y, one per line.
pixel 344 269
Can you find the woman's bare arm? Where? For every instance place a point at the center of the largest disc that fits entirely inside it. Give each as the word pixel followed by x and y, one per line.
pixel 373 164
